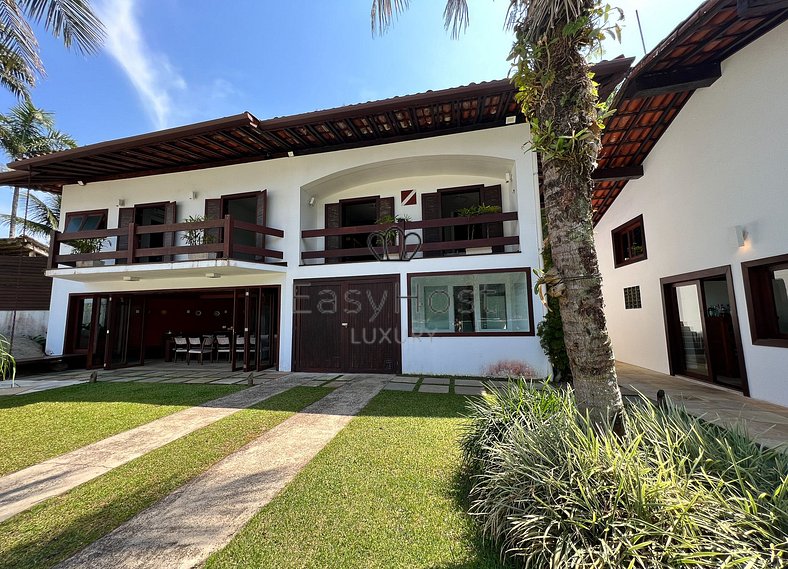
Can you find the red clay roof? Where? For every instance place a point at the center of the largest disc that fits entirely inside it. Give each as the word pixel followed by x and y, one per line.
pixel 714 32
pixel 244 138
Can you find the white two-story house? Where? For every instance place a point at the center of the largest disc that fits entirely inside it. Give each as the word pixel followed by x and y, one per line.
pixel 390 236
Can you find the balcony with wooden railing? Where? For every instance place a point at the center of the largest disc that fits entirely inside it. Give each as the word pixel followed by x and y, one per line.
pixel 131 245
pixel 433 243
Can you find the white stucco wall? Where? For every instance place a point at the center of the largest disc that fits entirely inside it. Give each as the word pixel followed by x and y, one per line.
pixel 482 157
pixel 722 163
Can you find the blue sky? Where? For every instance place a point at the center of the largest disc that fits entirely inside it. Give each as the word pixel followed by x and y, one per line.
pixel 173 62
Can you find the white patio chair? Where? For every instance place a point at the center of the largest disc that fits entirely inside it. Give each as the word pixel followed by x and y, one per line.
pixel 222 347
pixel 181 347
pixel 200 348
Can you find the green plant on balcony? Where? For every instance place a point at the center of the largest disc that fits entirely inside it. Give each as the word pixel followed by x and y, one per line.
pixel 85 247
pixel 391 238
pixel 198 236
pixel 475 211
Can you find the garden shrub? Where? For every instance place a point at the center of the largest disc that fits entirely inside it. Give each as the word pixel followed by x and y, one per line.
pixel 552 490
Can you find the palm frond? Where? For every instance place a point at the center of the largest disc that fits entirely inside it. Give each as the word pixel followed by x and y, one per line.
pixel 43 215
pixel 15 75
pixel 455 17
pixel 383 13
pixel 73 20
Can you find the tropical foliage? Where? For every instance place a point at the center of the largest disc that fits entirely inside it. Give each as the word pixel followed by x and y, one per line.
pixel 551 489
pixel 25 132
pixel 20 62
pixel 43 215
pixel 7 361
pixel 553 41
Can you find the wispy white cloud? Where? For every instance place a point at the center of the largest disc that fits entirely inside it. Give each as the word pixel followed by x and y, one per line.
pixel 155 79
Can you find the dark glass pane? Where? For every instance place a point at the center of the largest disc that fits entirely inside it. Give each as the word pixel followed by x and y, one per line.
pixel 492 298
pixel 85 318
pixel 780 290
pixel 74 223
pixel 436 308
pixel 464 320
pixel 93 222
pixel 691 325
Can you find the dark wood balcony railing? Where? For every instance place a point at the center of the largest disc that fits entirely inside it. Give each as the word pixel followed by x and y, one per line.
pixel 408 226
pixel 220 230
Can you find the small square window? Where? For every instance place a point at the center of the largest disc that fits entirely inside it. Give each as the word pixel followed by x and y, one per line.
pixel 632 298
pixel 629 243
pixel 766 290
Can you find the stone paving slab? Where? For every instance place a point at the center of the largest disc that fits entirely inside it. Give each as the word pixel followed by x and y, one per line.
pixel 201 517
pixel 436 380
pixel 403 379
pixel 469 382
pixel 434 388
pixel 399 386
pixel 468 390
pixel 22 489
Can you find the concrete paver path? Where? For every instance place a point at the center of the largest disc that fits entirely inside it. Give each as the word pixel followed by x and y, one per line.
pixel 202 516
pixel 23 489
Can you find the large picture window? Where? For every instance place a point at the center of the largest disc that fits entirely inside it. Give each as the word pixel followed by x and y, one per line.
pixel 766 289
pixel 494 302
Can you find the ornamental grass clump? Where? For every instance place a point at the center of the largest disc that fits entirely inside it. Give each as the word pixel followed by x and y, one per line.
pixel 551 489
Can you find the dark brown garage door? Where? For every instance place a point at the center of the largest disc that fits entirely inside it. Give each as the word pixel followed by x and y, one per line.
pixel 348 325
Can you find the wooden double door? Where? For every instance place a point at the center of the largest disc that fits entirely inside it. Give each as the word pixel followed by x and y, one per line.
pixel 347 325
pixel 702 328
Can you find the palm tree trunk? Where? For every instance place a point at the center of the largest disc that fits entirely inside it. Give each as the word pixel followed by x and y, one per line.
pixel 14 208
pixel 567 194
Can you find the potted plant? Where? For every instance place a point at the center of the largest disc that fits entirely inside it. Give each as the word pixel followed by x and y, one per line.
pixel 84 246
pixel 475 211
pixel 391 236
pixel 195 237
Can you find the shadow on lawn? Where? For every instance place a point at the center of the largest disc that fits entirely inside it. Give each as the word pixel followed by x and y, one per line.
pixel 486 555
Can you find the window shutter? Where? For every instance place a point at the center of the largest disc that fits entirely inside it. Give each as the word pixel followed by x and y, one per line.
pixel 213 210
pixel 333 221
pixel 170 213
pixel 125 216
pixel 262 213
pixel 431 209
pixel 385 207
pixel 491 195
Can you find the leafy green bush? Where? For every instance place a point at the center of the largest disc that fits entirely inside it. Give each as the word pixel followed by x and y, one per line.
pixel 552 490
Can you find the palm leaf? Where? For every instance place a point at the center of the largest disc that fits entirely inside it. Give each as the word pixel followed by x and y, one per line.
pixel 384 11
pixel 73 20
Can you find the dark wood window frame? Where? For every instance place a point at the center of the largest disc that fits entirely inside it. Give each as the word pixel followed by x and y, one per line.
pixel 760 302
pixel 531 328
pixel 627 229
pixel 87 213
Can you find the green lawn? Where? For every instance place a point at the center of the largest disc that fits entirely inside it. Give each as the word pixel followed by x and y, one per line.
pixel 57 528
pixel 384 493
pixel 42 425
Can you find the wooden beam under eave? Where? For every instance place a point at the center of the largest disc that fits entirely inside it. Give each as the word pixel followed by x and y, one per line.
pixel 617 174
pixel 676 80
pixel 752 8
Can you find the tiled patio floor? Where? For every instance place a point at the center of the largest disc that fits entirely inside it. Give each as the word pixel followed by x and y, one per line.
pixel 766 422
